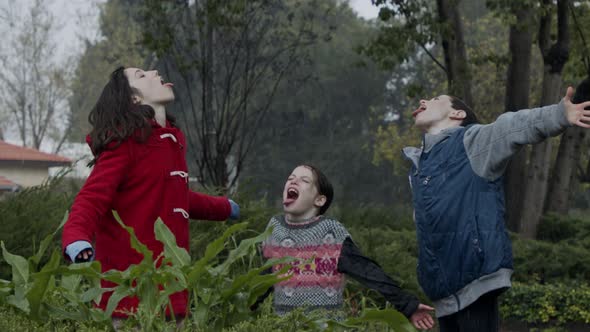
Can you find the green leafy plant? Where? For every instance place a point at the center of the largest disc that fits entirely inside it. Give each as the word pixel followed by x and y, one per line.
pixel 556 303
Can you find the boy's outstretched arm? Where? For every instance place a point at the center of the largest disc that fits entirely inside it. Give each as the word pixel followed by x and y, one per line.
pixel 366 271
pixel 491 146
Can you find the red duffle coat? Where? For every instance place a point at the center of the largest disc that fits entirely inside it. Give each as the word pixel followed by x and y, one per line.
pixel 141 181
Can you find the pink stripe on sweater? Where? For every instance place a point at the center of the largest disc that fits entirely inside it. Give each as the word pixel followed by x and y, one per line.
pixel 300 280
pixel 306 252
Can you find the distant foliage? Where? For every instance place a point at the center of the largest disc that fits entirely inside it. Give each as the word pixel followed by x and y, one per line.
pixel 556 229
pixel 553 303
pixel 551 275
pixel 220 291
pixel 28 216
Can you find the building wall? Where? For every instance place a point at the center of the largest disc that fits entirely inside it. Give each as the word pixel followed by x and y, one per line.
pixel 24 175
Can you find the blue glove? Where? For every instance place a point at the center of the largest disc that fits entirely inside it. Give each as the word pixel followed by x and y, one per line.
pixel 75 248
pixel 235 210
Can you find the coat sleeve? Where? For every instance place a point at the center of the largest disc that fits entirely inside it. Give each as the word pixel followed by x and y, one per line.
pixel 206 207
pixel 366 271
pixel 96 196
pixel 490 147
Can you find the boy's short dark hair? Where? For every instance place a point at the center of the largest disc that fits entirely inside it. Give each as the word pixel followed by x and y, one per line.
pixel 470 117
pixel 324 186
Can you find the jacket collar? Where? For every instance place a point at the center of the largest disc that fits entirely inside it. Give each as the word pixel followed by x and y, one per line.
pixel 155 124
pixel 428 142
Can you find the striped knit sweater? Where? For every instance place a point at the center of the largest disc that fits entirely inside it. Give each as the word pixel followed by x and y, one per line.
pixel 316 245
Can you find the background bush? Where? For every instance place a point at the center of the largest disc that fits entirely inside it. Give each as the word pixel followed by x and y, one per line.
pixel 28 216
pixel 552 274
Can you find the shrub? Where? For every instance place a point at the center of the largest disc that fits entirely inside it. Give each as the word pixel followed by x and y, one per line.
pixel 29 215
pixel 556 228
pixel 219 298
pixel 550 262
pixel 551 303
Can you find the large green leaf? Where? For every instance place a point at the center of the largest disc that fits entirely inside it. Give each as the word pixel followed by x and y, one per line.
pixel 58 312
pixel 92 294
pixel 212 250
pixel 71 282
pixel 20 266
pixel 40 284
pixel 19 300
pixel 244 248
pixel 256 282
pixel 120 292
pixel 171 276
pixel 135 243
pixel 147 292
pixel 116 276
pixel 35 259
pixel 177 255
pixel 89 270
pixel 5 289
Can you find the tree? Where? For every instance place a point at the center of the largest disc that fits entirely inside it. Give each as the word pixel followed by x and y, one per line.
pixel 411 23
pixel 571 144
pixel 119 44
pixel 329 121
pixel 227 58
pixel 452 40
pixel 554 58
pixel 517 96
pixel 33 86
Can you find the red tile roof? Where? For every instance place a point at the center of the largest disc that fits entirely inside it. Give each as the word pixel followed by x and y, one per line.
pixel 14 152
pixel 7 184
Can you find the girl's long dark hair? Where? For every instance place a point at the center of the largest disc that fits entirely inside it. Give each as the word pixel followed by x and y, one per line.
pixel 115 117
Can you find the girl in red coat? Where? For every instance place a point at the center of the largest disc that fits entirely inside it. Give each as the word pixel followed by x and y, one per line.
pixel 140 171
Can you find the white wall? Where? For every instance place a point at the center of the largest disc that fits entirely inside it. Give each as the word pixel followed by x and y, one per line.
pixel 25 176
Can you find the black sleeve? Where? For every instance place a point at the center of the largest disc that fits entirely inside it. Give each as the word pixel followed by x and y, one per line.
pixel 366 271
pixel 262 297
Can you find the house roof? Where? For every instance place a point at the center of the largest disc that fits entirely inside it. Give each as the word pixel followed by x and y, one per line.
pixel 18 153
pixel 6 184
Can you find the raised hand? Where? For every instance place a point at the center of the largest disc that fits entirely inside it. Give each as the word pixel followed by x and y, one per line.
pixel 84 256
pixel 422 317
pixel 576 113
pixel 235 210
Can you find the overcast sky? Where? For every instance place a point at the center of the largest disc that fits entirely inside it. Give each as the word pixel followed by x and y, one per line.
pixel 364 8
pixel 78 20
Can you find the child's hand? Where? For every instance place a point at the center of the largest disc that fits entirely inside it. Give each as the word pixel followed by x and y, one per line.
pixel 80 252
pixel 235 210
pixel 84 256
pixel 421 318
pixel 575 113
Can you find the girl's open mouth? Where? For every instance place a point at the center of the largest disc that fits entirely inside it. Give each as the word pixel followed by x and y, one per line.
pixel 292 195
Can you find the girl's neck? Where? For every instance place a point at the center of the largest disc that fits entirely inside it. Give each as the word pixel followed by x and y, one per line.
pixel 159 114
pixel 300 220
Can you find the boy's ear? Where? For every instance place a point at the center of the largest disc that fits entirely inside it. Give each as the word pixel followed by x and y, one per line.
pixel 320 200
pixel 458 114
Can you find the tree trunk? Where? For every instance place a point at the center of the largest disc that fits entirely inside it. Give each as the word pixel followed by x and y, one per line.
pixel 458 74
pixel 537 172
pixel 554 58
pixel 567 159
pixel 517 97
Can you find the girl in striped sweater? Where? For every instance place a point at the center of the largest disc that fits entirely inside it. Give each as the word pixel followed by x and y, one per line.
pixel 324 253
